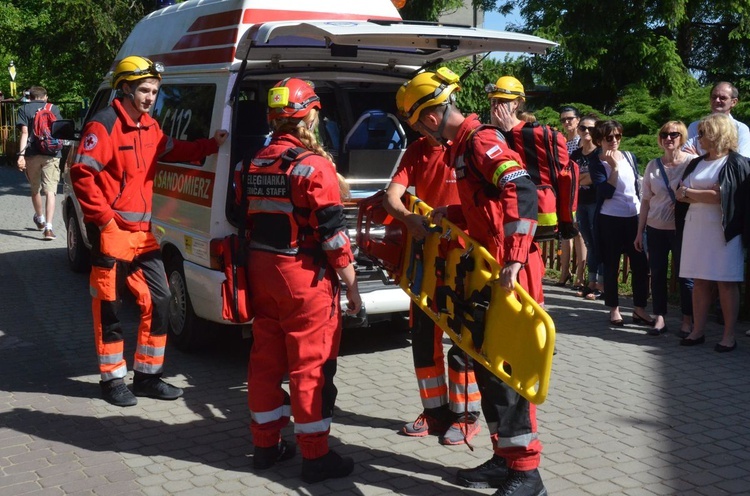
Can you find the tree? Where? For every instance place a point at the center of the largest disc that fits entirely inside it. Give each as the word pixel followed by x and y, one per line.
pixel 605 46
pixel 32 33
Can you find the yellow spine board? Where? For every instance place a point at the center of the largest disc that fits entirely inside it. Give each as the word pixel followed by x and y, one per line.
pixel 519 335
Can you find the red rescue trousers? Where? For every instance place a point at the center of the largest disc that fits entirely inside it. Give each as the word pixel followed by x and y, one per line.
pixel 297 330
pixel 511 419
pixel 118 259
pixel 461 393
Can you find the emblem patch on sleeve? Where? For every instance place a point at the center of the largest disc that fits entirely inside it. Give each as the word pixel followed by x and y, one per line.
pixel 89 142
pixel 494 151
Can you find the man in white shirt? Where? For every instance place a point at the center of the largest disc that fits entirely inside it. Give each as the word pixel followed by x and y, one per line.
pixel 724 96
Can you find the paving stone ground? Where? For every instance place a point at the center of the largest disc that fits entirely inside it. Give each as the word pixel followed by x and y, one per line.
pixel 627 414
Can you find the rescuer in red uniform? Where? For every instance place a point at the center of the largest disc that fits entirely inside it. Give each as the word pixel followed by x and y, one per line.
pixel 299 248
pixel 113 178
pixel 499 206
pixel 451 409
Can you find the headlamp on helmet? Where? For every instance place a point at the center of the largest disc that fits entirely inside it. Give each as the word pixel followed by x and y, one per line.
pixel 133 68
pixel 292 98
pixel 428 89
pixel 506 88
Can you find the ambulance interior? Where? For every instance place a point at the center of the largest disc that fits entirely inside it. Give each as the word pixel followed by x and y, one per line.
pixel 358 127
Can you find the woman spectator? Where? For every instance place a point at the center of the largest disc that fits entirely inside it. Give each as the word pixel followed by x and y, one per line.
pixel 615 176
pixel 656 218
pixel 570 118
pixel 715 187
pixel 298 251
pixel 584 156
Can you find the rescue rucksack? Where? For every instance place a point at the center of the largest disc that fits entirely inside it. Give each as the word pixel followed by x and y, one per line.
pixel 556 179
pixel 42 138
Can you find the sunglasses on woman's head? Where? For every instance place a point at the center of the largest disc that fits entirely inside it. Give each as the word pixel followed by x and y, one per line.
pixel 613 137
pixel 673 135
pixel 586 129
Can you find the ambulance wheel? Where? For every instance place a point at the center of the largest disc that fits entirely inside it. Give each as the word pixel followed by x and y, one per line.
pixel 185 328
pixel 79 256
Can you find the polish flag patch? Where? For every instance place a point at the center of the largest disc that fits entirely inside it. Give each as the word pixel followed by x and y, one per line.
pixel 494 151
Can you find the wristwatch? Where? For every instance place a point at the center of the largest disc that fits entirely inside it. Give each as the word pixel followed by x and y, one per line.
pixel 684 191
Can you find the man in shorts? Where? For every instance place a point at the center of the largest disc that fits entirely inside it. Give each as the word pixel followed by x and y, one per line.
pixel 42 170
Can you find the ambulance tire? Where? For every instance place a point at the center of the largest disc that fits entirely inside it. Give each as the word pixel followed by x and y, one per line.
pixel 79 255
pixel 186 330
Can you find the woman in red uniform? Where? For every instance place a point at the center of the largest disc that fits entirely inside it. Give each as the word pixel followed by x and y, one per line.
pixel 299 249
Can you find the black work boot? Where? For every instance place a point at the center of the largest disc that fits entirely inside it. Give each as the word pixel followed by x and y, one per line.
pixel 152 386
pixel 491 473
pixel 264 458
pixel 329 466
pixel 117 393
pixel 528 483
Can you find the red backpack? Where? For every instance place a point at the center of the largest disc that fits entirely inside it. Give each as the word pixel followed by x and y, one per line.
pixel 42 132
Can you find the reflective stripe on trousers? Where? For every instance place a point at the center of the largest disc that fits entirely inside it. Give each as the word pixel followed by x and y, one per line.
pixel 122 259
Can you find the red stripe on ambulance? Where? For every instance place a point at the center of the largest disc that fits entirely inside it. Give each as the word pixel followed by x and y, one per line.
pixel 194 186
pixel 268 15
pixel 211 38
pixel 220 20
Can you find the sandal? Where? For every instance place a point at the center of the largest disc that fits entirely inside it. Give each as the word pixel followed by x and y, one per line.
pixel 595 294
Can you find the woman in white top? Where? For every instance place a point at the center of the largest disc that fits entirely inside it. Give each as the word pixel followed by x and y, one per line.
pixel 616 178
pixel 660 181
pixel 716 188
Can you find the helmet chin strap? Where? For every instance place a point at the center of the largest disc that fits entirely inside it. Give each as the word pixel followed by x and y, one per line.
pixel 437 135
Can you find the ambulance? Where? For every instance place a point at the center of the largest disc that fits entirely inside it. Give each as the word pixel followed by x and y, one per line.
pixel 220 58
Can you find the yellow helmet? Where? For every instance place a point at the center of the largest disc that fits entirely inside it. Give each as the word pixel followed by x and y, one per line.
pixel 400 94
pixel 426 90
pixel 506 88
pixel 133 68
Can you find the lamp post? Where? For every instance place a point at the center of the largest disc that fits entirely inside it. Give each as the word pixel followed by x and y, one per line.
pixel 12 72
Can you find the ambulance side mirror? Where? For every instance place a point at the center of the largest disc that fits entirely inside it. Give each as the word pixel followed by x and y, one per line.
pixel 65 129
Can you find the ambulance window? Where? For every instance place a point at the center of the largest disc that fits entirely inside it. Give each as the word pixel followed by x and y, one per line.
pixel 184 110
pixel 101 100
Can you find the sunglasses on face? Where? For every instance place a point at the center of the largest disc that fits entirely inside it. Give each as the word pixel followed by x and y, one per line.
pixel 613 137
pixel 701 134
pixel 586 129
pixel 567 119
pixel 673 135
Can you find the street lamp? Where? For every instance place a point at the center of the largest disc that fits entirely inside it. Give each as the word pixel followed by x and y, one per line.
pixel 12 72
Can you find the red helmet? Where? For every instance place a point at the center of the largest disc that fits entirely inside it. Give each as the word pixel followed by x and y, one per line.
pixel 291 98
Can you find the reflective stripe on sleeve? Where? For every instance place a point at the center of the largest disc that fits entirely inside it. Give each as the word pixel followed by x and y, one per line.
pixel 89 162
pixel 519 227
pixel 334 243
pixel 547 219
pixel 511 177
pixel 501 170
pixel 134 216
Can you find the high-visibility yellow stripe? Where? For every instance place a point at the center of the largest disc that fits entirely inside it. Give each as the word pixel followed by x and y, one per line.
pixel 501 170
pixel 549 219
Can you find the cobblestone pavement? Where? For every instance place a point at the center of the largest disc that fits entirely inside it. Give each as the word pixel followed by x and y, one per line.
pixel 627 414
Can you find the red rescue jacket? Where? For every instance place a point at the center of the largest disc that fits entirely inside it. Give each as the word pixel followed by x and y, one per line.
pixel 294 204
pixel 114 169
pixel 498 199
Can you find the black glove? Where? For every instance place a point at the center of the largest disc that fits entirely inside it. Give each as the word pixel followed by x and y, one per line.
pixel 568 230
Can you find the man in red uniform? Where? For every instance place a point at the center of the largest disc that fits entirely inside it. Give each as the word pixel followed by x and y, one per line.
pixel 544 152
pixel 113 177
pixel 499 206
pixel 450 410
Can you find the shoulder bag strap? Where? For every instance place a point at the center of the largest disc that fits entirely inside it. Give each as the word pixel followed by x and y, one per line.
pixel 666 180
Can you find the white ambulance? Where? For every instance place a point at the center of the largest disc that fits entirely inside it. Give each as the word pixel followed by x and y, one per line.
pixel 221 56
